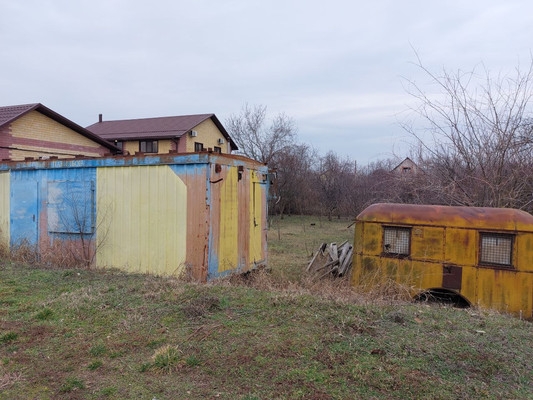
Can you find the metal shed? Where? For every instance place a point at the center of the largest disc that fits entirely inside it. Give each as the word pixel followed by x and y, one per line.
pixel 201 213
pixel 481 255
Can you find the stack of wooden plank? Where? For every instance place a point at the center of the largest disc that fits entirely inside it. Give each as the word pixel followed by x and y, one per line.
pixel 332 259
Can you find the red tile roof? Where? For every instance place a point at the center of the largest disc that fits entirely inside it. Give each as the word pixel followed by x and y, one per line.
pixel 155 128
pixel 8 114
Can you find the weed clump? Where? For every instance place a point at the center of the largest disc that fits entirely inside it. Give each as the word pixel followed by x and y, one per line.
pixel 72 384
pixel 8 337
pixel 166 359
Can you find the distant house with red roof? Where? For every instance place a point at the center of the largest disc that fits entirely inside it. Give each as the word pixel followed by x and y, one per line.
pixel 407 166
pixel 35 131
pixel 181 134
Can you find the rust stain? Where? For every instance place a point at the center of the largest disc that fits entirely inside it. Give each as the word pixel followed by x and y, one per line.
pixel 445 253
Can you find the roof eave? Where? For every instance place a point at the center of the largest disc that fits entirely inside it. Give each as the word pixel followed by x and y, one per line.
pixel 224 132
pixel 75 127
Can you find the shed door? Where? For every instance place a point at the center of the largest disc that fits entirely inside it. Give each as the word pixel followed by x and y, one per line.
pixel 452 277
pixel 24 212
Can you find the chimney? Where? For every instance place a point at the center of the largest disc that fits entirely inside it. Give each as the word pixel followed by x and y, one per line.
pixel 100 118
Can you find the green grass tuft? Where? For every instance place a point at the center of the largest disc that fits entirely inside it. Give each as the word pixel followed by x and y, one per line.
pixel 45 314
pixel 8 337
pixel 71 384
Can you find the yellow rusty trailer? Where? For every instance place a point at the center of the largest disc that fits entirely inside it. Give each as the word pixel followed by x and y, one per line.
pixel 478 255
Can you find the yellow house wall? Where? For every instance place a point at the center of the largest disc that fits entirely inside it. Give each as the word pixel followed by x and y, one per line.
pixel 208 135
pixel 36 126
pixel 143 219
pixel 131 146
pixel 4 209
pixel 164 146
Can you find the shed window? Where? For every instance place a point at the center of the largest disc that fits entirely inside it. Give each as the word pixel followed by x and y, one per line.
pixel 496 249
pixel 396 240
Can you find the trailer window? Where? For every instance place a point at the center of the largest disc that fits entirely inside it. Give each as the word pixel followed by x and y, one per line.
pixel 396 241
pixel 496 249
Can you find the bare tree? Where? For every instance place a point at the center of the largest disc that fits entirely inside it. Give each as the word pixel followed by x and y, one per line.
pixel 75 223
pixel 258 138
pixel 294 191
pixel 334 181
pixel 476 140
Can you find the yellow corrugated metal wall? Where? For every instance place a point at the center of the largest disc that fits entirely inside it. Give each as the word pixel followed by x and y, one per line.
pixel 142 219
pixel 256 219
pixel 229 222
pixel 4 208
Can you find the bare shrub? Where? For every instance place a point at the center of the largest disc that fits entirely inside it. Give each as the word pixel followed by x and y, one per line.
pixel 24 253
pixel 61 254
pixel 4 249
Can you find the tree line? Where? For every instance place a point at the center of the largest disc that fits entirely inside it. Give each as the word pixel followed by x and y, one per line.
pixel 472 145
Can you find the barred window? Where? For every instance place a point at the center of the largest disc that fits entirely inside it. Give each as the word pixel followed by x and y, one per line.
pixel 396 240
pixel 496 249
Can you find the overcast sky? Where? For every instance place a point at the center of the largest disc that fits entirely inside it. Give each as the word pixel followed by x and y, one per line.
pixel 336 67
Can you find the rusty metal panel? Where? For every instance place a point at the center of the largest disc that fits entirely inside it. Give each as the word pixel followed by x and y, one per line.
pixel 427 243
pixel 446 253
pixel 426 274
pixel 144 229
pixel 469 283
pixel 258 218
pixel 198 204
pixel 243 195
pixel 448 216
pixel 161 214
pixel 524 251
pixel 372 239
pixel 452 277
pixel 230 213
pixel 461 246
pixel 4 209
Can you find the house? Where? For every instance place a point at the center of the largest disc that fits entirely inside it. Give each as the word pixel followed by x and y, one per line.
pixel 201 214
pixel 407 166
pixel 35 131
pixel 181 134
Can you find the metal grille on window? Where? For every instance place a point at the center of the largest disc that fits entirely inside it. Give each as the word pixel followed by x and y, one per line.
pixel 496 249
pixel 396 240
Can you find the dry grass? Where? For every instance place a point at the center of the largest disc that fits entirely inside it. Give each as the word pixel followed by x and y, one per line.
pixel 273 333
pixel 23 253
pixel 85 334
pixel 8 379
pixel 292 243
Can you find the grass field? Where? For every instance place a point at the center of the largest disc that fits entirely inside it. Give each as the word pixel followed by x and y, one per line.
pixel 85 334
